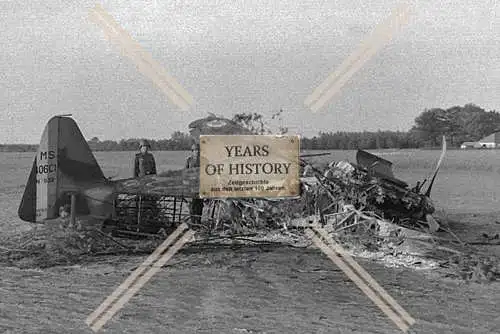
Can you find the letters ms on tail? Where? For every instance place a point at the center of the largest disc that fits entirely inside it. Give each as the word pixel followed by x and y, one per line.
pixel 242 166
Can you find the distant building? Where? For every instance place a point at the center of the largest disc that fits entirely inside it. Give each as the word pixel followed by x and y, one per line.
pixel 469 144
pixel 491 141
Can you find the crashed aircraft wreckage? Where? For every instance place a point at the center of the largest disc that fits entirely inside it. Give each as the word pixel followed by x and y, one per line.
pixel 65 176
pixel 371 185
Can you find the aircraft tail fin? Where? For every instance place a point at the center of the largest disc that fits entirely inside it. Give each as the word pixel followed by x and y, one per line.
pixel 63 164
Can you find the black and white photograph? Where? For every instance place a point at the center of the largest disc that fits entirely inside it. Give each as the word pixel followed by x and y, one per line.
pixel 259 166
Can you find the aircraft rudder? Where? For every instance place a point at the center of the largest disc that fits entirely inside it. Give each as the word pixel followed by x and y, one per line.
pixel 63 164
pixel 27 207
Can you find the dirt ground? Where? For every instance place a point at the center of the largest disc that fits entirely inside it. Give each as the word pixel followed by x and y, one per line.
pixel 250 289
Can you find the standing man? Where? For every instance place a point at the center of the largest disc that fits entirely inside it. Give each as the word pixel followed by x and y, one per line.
pixel 194 158
pixel 196 207
pixel 144 161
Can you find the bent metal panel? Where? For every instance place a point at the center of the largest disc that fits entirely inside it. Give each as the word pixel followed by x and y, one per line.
pixel 242 166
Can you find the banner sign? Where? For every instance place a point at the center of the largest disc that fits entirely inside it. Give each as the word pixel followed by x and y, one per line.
pixel 244 166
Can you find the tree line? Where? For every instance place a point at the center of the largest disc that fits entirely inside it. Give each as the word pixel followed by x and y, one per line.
pixel 179 141
pixel 458 123
pixel 18 147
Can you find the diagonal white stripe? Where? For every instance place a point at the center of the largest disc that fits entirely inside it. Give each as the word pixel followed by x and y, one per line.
pixel 350 72
pixel 361 272
pixel 356 60
pixel 365 288
pixel 349 61
pixel 135 47
pixel 137 272
pixel 143 280
pixel 143 60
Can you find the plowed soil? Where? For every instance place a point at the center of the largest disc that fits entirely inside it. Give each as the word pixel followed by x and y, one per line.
pixel 248 289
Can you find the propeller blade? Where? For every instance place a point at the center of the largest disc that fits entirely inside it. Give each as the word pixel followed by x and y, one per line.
pixel 443 152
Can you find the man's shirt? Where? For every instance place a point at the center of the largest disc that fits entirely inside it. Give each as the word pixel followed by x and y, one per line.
pixel 144 164
pixel 192 161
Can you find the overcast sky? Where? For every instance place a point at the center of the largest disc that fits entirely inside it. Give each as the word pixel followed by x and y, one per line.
pixel 241 56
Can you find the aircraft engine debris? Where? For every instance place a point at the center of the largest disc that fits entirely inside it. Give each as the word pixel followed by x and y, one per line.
pixel 370 185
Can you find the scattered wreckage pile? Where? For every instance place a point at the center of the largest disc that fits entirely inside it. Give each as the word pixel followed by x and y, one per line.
pixel 371 213
pixel 366 191
pixel 59 243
